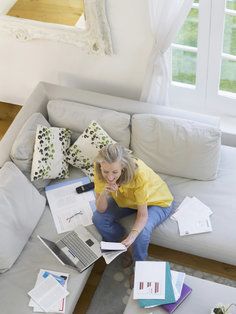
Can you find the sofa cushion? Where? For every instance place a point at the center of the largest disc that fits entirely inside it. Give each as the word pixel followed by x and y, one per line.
pixel 21 206
pixel 49 153
pixel 23 147
pixel 83 152
pixel 176 146
pixel 77 116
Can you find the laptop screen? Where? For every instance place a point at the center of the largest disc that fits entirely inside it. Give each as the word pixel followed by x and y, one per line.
pixel 57 251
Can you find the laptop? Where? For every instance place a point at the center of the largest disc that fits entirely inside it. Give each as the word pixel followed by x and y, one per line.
pixel 78 248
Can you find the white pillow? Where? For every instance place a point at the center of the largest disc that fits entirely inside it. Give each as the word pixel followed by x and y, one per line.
pixel 49 153
pixel 76 117
pixel 23 147
pixel 21 206
pixel 83 152
pixel 176 146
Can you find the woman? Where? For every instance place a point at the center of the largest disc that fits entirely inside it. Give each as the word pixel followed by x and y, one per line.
pixel 125 185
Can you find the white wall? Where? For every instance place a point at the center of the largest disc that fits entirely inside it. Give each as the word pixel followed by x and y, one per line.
pixel 24 64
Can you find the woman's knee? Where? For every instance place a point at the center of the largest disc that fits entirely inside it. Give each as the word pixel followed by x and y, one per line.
pixel 97 218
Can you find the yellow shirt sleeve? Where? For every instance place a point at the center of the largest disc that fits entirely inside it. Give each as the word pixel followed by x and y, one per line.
pixel 141 189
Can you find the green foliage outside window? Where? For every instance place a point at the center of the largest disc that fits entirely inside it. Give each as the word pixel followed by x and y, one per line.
pixel 184 66
pixel 231 4
pixel 184 63
pixel 228 76
pixel 189 31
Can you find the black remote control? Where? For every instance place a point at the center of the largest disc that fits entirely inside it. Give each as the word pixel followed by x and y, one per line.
pixel 85 187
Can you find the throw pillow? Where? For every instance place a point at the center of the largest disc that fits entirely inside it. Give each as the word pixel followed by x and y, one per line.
pixel 177 147
pixel 23 147
pixel 21 206
pixel 49 153
pixel 83 152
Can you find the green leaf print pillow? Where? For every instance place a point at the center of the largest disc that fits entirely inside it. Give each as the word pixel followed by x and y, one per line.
pixel 83 152
pixel 49 157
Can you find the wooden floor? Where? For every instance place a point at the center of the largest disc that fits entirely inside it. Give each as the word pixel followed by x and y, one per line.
pixel 66 12
pixel 7 114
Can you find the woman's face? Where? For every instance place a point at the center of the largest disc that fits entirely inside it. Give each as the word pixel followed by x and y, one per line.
pixel 111 172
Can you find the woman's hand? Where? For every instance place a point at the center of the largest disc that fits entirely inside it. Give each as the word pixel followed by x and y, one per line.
pixel 130 239
pixel 101 198
pixel 139 224
pixel 113 187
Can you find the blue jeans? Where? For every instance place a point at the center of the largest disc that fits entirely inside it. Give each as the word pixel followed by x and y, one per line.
pixel 112 231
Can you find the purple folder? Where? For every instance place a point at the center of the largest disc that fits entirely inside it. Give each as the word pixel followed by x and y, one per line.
pixel 171 307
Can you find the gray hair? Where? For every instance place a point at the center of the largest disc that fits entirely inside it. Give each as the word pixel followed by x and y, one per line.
pixel 113 153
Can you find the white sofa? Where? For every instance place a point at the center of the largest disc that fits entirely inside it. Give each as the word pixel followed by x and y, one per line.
pixel 219 194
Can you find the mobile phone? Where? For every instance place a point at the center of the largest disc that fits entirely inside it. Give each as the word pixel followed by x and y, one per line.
pixel 85 187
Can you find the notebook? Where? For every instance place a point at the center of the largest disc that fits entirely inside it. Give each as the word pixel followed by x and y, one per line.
pixel 78 248
pixel 169 292
pixel 170 308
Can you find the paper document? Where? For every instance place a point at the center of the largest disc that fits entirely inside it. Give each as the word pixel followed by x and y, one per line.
pixel 112 246
pixel 48 293
pixel 193 226
pixel 70 209
pixel 149 280
pixel 62 278
pixel 193 217
pixel 190 205
pixel 110 250
pixel 173 288
pixel 177 279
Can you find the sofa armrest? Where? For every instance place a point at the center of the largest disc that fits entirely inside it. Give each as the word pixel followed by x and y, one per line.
pixel 37 102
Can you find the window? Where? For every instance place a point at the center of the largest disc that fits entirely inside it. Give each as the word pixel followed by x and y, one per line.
pixel 203 59
pixel 228 65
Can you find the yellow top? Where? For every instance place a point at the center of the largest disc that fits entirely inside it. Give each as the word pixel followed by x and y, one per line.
pixel 147 187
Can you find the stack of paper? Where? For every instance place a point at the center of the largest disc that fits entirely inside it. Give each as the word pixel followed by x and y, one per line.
pixel 156 285
pixel 193 217
pixel 49 293
pixel 110 250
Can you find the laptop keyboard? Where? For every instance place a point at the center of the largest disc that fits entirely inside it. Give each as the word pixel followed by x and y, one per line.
pixel 79 249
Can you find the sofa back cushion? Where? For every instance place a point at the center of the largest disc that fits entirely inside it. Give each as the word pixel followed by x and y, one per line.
pixel 21 206
pixel 176 146
pixel 76 117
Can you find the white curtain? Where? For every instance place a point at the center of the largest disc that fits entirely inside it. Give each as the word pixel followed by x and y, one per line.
pixel 167 17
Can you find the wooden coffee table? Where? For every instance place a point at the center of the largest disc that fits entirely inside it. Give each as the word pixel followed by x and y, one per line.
pixel 205 296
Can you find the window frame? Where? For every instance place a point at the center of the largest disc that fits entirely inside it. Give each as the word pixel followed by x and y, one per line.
pixel 204 96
